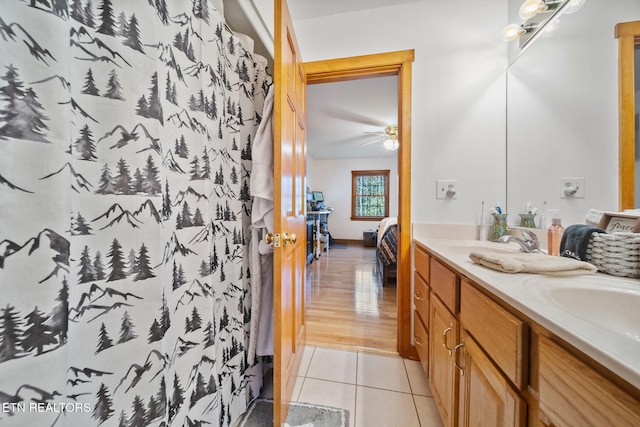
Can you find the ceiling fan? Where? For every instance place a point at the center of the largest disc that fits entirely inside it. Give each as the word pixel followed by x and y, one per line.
pixel 390 137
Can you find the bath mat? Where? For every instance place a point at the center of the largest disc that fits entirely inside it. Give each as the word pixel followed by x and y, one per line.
pixel 260 414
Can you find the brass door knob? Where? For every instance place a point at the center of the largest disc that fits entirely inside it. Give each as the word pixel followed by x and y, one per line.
pixel 269 238
pixel 290 238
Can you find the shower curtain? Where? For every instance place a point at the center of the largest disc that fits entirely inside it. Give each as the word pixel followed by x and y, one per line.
pixel 125 157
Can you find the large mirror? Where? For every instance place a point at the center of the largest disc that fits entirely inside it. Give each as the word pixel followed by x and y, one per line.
pixel 562 113
pixel 628 34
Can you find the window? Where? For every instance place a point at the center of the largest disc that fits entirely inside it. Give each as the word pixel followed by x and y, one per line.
pixel 369 195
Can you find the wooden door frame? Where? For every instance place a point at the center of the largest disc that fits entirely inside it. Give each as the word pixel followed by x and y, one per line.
pixel 628 35
pixel 398 64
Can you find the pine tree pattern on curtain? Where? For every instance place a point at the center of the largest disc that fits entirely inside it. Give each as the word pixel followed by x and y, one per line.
pixel 125 154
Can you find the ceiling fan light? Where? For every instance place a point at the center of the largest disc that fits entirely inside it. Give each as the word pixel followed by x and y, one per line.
pixel 391 144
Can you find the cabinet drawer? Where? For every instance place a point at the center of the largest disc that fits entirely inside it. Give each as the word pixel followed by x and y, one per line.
pixel 421 262
pixel 444 283
pixel 421 298
pixel 572 394
pixel 421 338
pixel 499 333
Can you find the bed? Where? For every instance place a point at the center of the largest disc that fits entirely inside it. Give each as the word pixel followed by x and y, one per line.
pixel 387 249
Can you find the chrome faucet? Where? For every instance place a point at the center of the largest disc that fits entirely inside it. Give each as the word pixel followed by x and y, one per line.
pixel 529 243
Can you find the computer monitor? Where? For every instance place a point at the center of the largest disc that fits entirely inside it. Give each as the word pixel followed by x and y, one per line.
pixel 317 196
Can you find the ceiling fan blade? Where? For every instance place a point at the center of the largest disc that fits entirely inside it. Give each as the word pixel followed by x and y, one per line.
pixel 350 116
pixel 373 142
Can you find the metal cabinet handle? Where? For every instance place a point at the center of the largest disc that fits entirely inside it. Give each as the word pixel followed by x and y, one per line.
pixel 455 350
pixel 444 342
pixel 417 341
pixel 418 296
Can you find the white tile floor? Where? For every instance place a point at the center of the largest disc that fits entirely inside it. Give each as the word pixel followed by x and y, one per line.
pixel 378 391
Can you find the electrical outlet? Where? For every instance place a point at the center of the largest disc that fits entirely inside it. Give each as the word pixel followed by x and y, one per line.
pixel 446 189
pixel 572 188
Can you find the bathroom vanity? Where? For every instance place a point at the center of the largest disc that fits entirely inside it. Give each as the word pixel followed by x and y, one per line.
pixel 522 349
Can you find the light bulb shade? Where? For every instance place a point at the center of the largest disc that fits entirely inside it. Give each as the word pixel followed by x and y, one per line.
pixel 574 6
pixel 512 32
pixel 531 8
pixel 391 144
pixel 551 28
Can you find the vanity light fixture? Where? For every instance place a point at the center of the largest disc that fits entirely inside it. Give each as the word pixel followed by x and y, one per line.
pixel 538 15
pixel 513 31
pixel 551 28
pixel 531 8
pixel 574 6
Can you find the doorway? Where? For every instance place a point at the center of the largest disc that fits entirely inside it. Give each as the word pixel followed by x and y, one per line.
pixel 380 65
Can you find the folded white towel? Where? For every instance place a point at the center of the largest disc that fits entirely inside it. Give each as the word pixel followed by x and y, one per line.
pixel 519 262
pixel 593 217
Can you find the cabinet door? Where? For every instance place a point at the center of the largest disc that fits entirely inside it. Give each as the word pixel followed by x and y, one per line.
pixel 589 399
pixel 421 339
pixel 443 337
pixel 486 398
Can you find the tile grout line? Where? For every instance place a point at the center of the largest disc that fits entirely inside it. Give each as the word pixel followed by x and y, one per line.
pixel 355 403
pixel 413 396
pixel 313 352
pixel 304 376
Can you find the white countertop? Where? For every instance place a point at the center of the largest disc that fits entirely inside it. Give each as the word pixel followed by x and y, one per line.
pixel 617 351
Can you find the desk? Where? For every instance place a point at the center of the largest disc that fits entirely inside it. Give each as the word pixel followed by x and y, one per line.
pixel 317 215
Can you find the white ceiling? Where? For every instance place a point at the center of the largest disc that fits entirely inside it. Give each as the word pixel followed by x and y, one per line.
pixel 306 9
pixel 339 114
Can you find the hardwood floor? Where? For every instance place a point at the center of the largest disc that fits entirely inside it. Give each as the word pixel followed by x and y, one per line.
pixel 347 306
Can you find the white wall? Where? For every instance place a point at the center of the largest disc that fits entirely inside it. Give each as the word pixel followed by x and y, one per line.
pixel 458 129
pixel 460 102
pixel 563 113
pixel 333 178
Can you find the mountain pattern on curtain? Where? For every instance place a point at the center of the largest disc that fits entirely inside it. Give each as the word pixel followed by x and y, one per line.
pixel 125 155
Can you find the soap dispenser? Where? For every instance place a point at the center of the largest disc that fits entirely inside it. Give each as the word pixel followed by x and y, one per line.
pixel 554 236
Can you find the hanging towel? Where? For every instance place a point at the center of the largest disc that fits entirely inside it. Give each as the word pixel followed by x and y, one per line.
pixel 518 262
pixel 261 254
pixel 575 241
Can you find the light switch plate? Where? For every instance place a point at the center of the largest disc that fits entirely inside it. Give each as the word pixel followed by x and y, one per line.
pixel 446 189
pixel 572 188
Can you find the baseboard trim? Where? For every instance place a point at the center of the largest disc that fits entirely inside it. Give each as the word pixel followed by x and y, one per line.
pixel 349 241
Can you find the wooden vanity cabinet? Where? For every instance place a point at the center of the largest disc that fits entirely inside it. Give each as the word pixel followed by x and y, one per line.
pixel 472 386
pixel 443 338
pixel 487 367
pixel 421 301
pixel 443 377
pixel 588 399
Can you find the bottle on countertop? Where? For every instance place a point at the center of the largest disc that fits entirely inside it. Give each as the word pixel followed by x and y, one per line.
pixel 554 236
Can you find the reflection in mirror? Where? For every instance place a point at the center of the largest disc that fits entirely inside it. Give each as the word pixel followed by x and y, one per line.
pixel 562 113
pixel 628 35
pixel 636 66
pixel 535 19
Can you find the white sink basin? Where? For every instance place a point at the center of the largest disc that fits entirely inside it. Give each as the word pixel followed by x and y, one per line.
pixel 477 245
pixel 608 303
